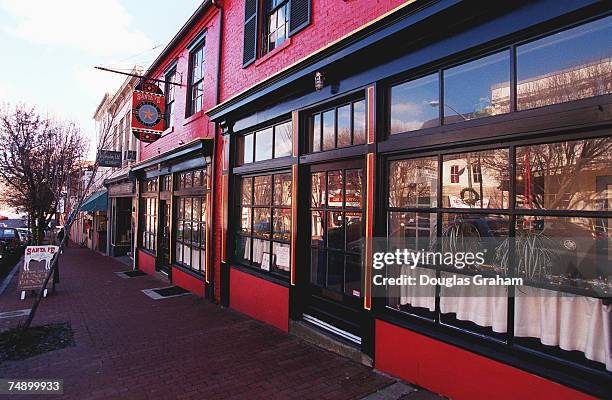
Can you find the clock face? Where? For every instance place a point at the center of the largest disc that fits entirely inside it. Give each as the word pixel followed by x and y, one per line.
pixel 148 114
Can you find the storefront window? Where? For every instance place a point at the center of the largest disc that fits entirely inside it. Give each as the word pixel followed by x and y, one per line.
pixel 572 175
pixel 569 65
pixel 191 221
pixel 562 250
pixel 266 144
pixel 149 232
pixel 415 104
pixel 342 126
pixel 477 89
pixel 476 180
pixel 264 230
pixel 191 233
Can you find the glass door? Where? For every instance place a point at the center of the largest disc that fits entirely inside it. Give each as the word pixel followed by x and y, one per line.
pixel 164 245
pixel 337 239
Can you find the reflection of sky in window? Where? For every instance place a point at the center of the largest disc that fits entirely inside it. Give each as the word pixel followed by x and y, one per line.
pixel 263 145
pixel 411 104
pixel 580 45
pixel 468 87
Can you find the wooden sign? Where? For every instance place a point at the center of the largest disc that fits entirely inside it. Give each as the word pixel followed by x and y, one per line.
pixel 147 112
pixel 35 268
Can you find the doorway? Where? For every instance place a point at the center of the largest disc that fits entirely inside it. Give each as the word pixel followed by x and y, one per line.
pixel 335 282
pixel 164 239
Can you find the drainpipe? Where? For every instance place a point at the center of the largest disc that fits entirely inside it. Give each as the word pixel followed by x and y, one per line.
pixel 215 144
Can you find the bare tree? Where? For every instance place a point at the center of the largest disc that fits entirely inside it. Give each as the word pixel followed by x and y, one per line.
pixel 39 154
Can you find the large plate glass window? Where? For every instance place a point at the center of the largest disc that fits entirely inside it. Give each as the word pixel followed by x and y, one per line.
pixel 477 89
pixel 263 238
pixel 548 224
pixel 569 65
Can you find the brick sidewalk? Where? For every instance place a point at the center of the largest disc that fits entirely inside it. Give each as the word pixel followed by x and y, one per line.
pixel 130 346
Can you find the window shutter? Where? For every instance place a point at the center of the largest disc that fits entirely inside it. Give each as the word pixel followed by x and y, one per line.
pixel 249 50
pixel 299 15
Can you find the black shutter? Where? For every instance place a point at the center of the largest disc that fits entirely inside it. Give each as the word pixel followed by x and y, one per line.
pixel 249 50
pixel 299 15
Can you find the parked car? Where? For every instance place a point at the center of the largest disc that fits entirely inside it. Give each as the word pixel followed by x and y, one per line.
pixel 11 240
pixel 25 236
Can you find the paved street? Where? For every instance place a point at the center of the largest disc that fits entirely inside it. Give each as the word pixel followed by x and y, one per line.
pixel 130 346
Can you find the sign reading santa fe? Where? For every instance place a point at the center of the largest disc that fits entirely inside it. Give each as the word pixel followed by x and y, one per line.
pixel 36 266
pixel 147 112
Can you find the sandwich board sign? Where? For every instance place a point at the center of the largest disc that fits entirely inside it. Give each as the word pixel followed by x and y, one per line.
pixel 35 268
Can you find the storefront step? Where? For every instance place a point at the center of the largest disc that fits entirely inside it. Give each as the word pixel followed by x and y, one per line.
pixel 328 342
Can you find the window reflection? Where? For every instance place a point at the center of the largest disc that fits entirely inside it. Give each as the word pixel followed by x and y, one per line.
pixel 282 190
pixel 354 185
pixel 263 145
pixel 344 126
pixel 263 190
pixel 413 183
pixel 329 131
pixel 359 122
pixel 414 104
pixel 565 176
pixel 477 89
pixel 569 65
pixel 491 187
pixel 318 189
pixel 283 140
pixel 564 251
pixel 334 189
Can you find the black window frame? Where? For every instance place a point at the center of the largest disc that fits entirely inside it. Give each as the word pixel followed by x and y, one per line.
pixel 269 11
pixel 430 321
pixel 169 97
pixel 310 139
pixel 192 185
pixel 192 106
pixel 238 234
pixel 440 67
pixel 253 134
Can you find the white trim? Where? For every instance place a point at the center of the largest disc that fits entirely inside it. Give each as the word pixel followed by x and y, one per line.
pixel 330 328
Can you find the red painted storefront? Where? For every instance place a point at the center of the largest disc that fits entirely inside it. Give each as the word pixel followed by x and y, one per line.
pixel 435 364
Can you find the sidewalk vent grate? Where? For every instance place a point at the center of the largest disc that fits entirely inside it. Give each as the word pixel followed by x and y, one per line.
pixel 165 292
pixel 135 273
pixel 170 291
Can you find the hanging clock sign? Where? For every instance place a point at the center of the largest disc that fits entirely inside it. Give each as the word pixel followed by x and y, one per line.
pixel 147 112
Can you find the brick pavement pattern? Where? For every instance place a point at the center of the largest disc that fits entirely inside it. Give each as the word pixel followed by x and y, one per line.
pixel 132 347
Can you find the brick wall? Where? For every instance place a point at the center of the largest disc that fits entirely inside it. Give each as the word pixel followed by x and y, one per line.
pixel 330 20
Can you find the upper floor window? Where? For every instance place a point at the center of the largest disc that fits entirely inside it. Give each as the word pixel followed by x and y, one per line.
pixel 169 98
pixel 196 79
pixel 269 23
pixel 273 142
pixel 276 25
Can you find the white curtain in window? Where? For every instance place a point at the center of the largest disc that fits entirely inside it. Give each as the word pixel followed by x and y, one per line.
pixel 565 320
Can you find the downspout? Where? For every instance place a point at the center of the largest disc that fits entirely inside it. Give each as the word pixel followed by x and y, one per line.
pixel 215 144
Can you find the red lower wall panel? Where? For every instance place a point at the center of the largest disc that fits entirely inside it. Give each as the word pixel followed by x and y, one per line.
pixel 146 262
pixel 457 373
pixel 260 299
pixel 188 282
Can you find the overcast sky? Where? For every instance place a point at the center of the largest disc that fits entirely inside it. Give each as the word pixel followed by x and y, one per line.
pixel 49 49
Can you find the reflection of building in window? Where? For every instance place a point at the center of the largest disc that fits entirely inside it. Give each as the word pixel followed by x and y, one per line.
pixel 579 82
pixel 454 174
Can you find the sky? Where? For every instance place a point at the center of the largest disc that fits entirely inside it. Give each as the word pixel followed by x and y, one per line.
pixel 49 49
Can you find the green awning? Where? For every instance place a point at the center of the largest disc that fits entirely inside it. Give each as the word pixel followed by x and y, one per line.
pixel 96 202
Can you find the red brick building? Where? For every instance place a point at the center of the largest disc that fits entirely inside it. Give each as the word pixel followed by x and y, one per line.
pixel 301 134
